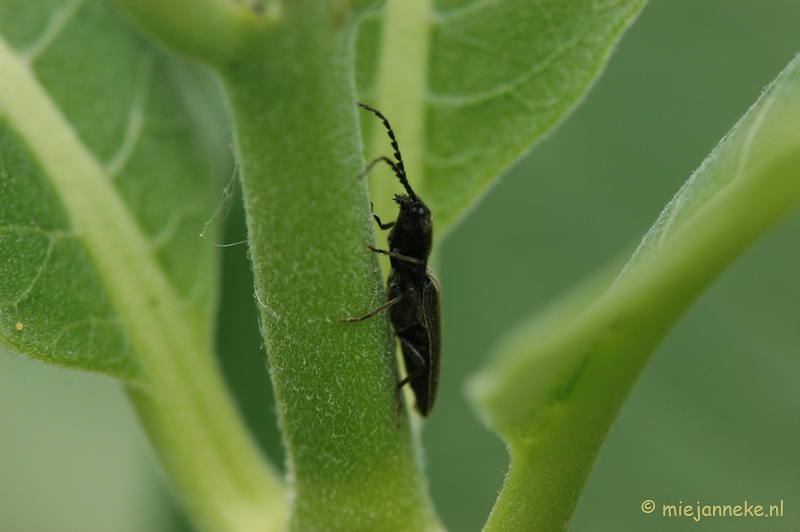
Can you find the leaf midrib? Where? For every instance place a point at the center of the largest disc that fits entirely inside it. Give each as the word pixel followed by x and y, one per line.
pixel 138 287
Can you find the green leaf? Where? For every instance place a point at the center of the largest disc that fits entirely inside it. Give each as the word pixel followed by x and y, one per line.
pixel 555 385
pixel 54 307
pixel 82 77
pixel 107 182
pixel 469 86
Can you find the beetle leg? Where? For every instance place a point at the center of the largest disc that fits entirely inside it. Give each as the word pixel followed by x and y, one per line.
pixel 397 170
pixel 397 256
pixel 374 311
pixel 381 224
pixel 418 359
pixel 410 377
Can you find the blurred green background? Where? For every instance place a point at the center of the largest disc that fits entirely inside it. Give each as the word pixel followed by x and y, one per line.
pixel 716 416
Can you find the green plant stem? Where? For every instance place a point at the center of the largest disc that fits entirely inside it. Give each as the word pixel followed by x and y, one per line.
pixel 553 450
pixel 179 393
pixel 210 30
pixel 400 91
pixel 213 463
pixel 293 103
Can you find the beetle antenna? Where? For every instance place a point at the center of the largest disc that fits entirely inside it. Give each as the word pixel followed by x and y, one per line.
pixel 399 168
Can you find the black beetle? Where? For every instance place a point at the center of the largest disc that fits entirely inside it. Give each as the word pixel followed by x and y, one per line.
pixel 412 288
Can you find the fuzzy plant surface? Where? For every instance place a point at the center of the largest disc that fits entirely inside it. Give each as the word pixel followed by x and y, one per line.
pixel 111 164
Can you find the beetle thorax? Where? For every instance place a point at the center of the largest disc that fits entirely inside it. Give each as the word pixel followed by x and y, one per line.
pixel 412 234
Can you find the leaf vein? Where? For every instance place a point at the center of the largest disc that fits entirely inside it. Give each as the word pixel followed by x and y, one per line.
pixel 39 272
pixel 59 20
pixel 133 131
pixel 443 17
pixel 445 100
pixel 752 132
